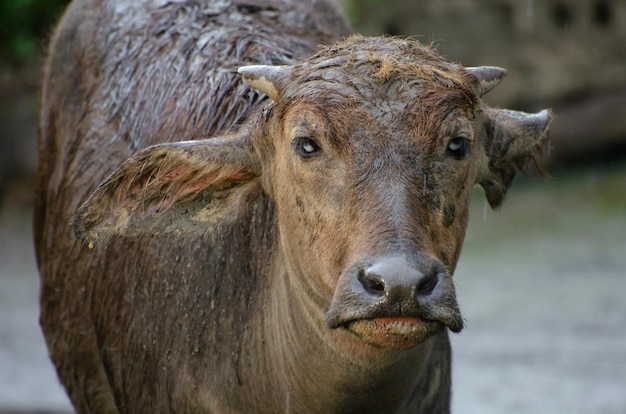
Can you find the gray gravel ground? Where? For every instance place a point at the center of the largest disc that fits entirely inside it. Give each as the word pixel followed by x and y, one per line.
pixel 541 284
pixel 28 383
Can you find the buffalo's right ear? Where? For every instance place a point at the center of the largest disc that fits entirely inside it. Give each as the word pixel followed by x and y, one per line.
pixel 512 139
pixel 175 188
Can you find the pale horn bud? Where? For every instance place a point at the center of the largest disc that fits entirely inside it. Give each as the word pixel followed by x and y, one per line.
pixel 489 76
pixel 270 80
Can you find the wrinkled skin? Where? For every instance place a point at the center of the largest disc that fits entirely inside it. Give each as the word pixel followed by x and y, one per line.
pixel 300 262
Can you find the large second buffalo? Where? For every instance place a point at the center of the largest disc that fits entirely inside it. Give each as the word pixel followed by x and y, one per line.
pixel 231 218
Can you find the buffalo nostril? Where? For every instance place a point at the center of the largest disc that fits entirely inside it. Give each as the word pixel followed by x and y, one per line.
pixel 427 284
pixel 372 283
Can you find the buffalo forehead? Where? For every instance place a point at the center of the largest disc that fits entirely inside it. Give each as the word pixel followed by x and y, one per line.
pixel 399 84
pixel 383 60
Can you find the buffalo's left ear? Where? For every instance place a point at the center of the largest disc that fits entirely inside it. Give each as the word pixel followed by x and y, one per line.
pixel 512 139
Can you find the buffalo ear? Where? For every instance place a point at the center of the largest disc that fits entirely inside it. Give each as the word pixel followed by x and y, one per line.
pixel 172 188
pixel 512 139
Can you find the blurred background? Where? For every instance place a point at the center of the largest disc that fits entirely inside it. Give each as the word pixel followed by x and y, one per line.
pixel 541 282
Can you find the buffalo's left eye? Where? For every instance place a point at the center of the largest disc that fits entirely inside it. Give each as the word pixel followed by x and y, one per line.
pixel 458 148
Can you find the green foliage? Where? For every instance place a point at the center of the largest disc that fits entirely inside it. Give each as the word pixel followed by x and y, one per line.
pixel 24 27
pixel 353 8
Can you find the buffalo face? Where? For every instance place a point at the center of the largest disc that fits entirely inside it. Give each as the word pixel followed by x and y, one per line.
pixel 375 148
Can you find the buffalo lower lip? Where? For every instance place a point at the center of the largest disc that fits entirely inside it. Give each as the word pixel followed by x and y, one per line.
pixel 393 332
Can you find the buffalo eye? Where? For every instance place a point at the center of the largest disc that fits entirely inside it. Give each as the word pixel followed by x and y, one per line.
pixel 458 148
pixel 306 147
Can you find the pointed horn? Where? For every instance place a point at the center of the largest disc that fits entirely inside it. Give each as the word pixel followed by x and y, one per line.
pixel 489 76
pixel 270 80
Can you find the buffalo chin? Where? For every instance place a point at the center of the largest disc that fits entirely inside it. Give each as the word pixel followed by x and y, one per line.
pixel 394 332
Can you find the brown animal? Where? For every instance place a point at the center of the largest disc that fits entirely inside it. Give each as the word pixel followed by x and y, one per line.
pixel 301 261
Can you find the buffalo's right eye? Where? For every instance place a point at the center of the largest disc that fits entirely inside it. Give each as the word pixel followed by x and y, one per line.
pixel 458 148
pixel 306 147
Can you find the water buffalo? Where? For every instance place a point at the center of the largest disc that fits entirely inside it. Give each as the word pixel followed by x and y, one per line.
pixel 258 224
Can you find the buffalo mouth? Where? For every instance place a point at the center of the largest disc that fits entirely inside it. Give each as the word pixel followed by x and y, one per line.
pixel 395 332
